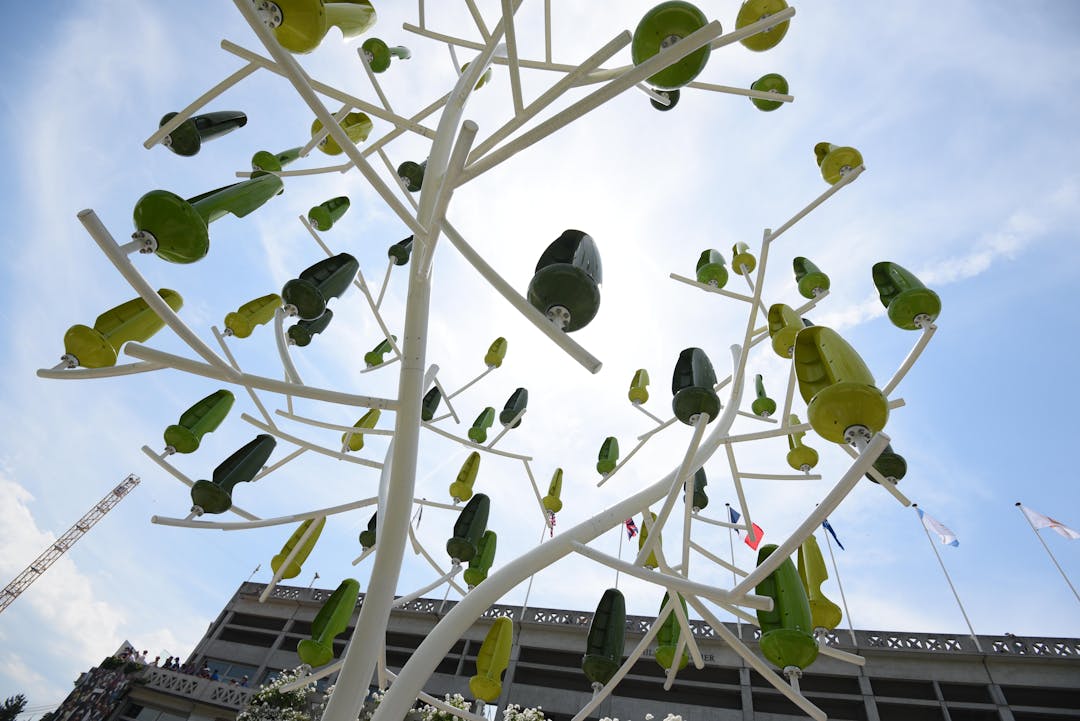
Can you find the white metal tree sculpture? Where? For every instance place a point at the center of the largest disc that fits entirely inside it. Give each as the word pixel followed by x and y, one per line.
pixel 669 48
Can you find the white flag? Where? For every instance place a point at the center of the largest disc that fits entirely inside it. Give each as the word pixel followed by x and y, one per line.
pixel 1040 521
pixel 937 527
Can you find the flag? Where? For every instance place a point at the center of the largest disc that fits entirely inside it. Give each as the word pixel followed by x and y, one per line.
pixel 631 528
pixel 1040 521
pixel 828 527
pixel 758 533
pixel 932 524
pixel 551 524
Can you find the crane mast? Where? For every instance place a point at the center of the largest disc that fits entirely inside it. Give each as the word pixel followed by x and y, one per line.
pixel 66 541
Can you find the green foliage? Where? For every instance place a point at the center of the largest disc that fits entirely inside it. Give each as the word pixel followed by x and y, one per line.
pixel 110 663
pixel 270 703
pixel 12 707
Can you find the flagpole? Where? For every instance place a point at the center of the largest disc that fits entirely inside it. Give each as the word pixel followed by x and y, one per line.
pixel 941 563
pixel 621 532
pixel 843 598
pixel 734 578
pixel 1048 551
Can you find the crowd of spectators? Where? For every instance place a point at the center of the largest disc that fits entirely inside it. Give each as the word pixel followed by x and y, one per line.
pixel 172 663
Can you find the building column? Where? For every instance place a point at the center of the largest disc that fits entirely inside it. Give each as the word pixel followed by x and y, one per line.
pixel 867 692
pixel 747 696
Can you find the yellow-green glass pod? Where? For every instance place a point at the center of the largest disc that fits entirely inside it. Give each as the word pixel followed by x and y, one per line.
pixel 379 54
pixel 743 261
pixel 481 563
pixel 812 572
pixel 253 313
pixel 812 282
pixel 770 83
pixel 492 660
pixel 660 28
pixel 496 353
pixel 293 568
pixel 300 25
pixel 800 457
pixel 462 487
pixel 357 127
pixel 836 161
pixel 837 386
pixel 784 325
pixel 377 355
pixel 484 421
pixel 711 268
pixel 552 501
pixel 763 405
pixel 643 536
pixel 608 457
pixel 667 638
pixel 331 621
pixel 355 441
pixel 639 387
pixel 910 304
pixel 787 630
pixel 753 10
pixel 202 418
pixel 98 347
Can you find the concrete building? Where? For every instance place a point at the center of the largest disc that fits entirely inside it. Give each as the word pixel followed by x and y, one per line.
pixel 907 676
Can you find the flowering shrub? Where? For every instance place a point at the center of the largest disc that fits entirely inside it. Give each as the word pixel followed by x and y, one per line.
pixel 513 712
pixel 430 713
pixel 270 703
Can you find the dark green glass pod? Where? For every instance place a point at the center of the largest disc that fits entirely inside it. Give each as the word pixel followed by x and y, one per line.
pixel 180 228
pixel 662 27
pixel 99 347
pixel 700 499
pixel 784 326
pixel 412 174
pixel 304 330
pixel 837 386
pixel 515 404
pixel 187 138
pixel 753 10
pixel 462 487
pixel 763 405
pixel 331 621
pixel 711 268
pixel 809 277
pixel 400 251
pixel 787 637
pixel 202 418
pixel 693 384
pixel 607 638
pixel 672 99
pixel 253 313
pixel 242 466
pixel 770 83
pixel 484 421
pixel 469 529
pixel 481 563
pixel 325 214
pixel 568 276
pixel 430 404
pixel 836 161
pixel 608 457
pixel 667 638
pixel 369 535
pixel 496 353
pixel 910 304
pixel 890 464
pixel 329 278
pixel 377 355
pixel 263 161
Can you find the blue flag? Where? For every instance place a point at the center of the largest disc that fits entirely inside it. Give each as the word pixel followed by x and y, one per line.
pixel 733 515
pixel 828 527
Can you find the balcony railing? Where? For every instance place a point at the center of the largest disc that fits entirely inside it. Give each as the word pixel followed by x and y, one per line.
pixel 195 688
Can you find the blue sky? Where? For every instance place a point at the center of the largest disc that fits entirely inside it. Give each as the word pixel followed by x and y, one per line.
pixel 963 112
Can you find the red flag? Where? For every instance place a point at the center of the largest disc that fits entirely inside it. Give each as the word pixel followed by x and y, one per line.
pixel 756 540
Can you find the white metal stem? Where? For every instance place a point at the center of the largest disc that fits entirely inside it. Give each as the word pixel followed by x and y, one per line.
pixel 735 570
pixel 321 134
pixel 748 524
pixel 710 288
pixel 686 638
pixel 655 527
pixel 399 602
pixel 756 417
pixel 479 20
pixel 385 283
pixel 508 8
pixel 142 352
pixel 933 547
pixel 177 120
pixel 833 190
pixel 475 446
pixel 374 80
pixel 506 427
pixel 882 481
pixel 734 576
pixel 120 261
pixel 780 476
pixel 367 552
pixel 745 92
pixel 236 366
pixel 266 471
pixel 334 426
pixel 650 415
pixel 63 372
pixel 827 506
pixel 623 462
pixel 278 433
pixel 853 658
pixel 291 374
pixel 920 346
pixel 1049 552
pixel 263 522
pixel 650 433
pixel 468 385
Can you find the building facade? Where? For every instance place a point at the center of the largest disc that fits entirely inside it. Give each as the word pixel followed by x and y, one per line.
pixel 907 676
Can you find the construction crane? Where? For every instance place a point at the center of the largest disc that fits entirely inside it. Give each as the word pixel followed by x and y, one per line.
pixel 66 541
